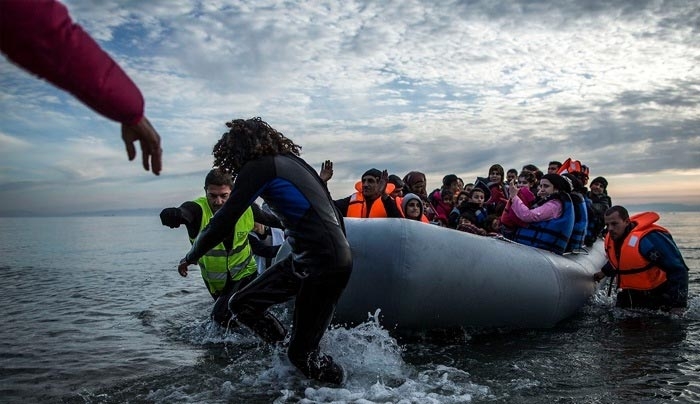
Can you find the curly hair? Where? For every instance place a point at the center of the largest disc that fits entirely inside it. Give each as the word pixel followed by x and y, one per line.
pixel 248 140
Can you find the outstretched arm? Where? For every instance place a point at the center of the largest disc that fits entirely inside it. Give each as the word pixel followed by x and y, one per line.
pixel 189 214
pixel 40 37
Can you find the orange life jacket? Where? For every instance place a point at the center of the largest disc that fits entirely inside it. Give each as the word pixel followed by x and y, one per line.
pixel 358 207
pixel 399 202
pixel 635 271
pixel 572 166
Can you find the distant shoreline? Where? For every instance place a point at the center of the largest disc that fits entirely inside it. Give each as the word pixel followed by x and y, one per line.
pixel 658 207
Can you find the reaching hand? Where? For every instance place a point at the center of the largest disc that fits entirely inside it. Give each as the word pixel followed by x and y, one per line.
pixel 150 144
pixel 182 267
pixel 326 172
pixel 171 217
pixel 598 276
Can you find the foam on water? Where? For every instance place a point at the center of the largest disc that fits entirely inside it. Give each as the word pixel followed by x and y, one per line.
pixel 600 301
pixel 373 359
pixel 376 371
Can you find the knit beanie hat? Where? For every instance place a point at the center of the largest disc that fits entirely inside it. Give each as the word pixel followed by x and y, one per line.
pixel 372 172
pixel 600 180
pixel 559 182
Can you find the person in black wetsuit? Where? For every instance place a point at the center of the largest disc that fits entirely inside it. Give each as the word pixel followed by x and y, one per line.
pixel 266 164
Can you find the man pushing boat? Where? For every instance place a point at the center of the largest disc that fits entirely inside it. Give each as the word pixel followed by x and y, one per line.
pixel 649 267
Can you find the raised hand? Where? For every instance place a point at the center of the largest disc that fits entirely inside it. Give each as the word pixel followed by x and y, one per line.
pixel 326 172
pixel 383 180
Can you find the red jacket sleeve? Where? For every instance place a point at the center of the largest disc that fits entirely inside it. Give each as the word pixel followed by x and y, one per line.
pixel 40 37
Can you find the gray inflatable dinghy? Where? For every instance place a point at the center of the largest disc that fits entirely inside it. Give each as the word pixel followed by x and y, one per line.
pixel 425 277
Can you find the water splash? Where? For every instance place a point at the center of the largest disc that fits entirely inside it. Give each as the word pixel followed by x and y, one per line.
pixel 693 312
pixel 377 372
pixel 601 304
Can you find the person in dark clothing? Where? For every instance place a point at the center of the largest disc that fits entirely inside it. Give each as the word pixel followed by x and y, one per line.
pixel 597 202
pixel 267 165
pixel 649 267
pixel 228 266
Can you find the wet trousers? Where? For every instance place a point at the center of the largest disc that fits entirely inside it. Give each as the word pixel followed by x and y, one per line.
pixel 316 298
pixel 220 313
pixel 654 299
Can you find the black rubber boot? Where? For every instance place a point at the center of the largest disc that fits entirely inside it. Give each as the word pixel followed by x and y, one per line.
pixel 266 325
pixel 321 368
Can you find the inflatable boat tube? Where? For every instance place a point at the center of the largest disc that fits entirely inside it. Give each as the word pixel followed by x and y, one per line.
pixel 424 277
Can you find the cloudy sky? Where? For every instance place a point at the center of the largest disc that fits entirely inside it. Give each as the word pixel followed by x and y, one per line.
pixel 439 87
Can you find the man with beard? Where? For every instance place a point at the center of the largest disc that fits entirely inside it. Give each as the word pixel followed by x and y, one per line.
pixel 229 266
pixel 372 198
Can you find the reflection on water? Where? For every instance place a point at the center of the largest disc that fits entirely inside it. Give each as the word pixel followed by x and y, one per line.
pixel 94 312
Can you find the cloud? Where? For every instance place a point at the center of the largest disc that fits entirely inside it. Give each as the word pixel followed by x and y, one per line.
pixel 10 143
pixel 439 87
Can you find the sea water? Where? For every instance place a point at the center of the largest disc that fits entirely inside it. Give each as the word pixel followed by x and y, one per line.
pixel 93 311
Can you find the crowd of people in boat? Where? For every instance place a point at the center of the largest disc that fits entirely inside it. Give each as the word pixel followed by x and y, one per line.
pixel 320 264
pixel 553 211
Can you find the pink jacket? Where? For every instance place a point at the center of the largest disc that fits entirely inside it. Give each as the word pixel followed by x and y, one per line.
pixel 40 37
pixel 550 210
